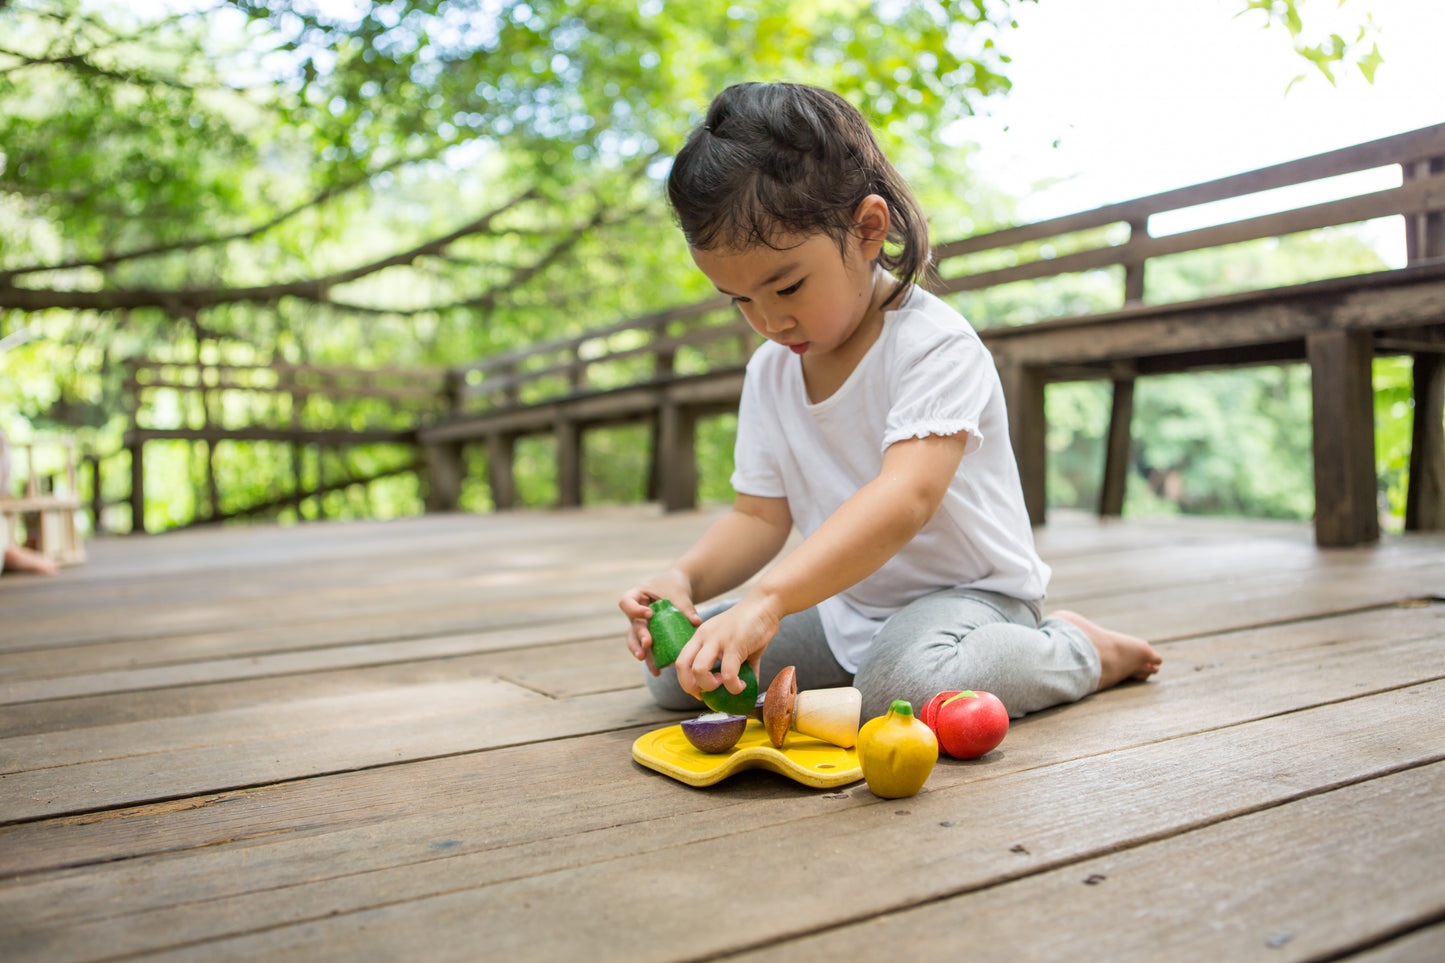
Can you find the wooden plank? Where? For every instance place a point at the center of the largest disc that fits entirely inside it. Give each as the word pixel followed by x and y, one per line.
pixel 325 716
pixel 297 436
pixel 1280 316
pixel 1220 892
pixel 110 783
pixel 556 898
pixel 1390 150
pixel 558 668
pixel 1208 684
pixel 1413 198
pixel 648 321
pixel 1425 945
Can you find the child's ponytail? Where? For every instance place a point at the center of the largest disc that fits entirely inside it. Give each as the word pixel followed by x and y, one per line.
pixel 773 161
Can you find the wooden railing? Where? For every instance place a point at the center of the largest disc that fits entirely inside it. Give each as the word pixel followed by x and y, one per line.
pixel 310 408
pixel 1324 324
pixel 672 367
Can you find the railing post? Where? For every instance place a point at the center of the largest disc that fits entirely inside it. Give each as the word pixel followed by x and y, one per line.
pixel 97 496
pixel 1425 492
pixel 1134 266
pixel 1344 437
pixel 1425 488
pixel 1117 447
pixel 1023 388
pixel 569 462
pixel 663 362
pixel 446 469
pixel 676 457
pixel 137 449
pixel 500 452
pixel 137 487
pixel 1119 440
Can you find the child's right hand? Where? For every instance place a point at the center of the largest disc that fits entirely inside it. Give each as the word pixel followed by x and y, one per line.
pixel 635 602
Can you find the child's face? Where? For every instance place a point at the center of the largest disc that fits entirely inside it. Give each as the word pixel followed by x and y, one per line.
pixel 809 296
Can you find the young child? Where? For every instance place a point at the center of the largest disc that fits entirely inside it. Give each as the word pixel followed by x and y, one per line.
pixel 873 420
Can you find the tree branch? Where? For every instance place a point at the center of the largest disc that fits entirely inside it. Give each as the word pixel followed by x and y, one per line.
pixel 490 298
pixel 189 299
pixel 192 244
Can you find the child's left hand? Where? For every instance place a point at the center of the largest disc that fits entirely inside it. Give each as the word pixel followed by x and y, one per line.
pixel 733 637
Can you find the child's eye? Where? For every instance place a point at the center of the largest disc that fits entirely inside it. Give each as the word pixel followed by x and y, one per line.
pixel 790 289
pixel 739 300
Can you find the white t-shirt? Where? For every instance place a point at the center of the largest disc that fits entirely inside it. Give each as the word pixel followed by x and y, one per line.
pixel 927 374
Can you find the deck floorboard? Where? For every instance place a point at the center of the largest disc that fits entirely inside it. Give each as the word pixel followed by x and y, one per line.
pixel 411 740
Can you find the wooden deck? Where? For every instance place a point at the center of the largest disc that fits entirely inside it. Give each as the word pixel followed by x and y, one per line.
pixel 410 740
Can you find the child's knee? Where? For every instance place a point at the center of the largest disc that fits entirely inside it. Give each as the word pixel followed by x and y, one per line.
pixel 668 694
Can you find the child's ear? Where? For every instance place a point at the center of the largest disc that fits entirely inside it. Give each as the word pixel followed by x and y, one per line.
pixel 870 225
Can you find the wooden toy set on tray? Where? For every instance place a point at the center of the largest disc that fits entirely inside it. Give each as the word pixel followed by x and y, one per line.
pixel 812 737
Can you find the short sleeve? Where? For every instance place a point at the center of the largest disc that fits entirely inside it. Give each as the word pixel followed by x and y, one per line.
pixel 945 380
pixel 755 464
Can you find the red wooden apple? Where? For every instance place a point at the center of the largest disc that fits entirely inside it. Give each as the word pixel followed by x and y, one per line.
pixel 968 724
pixel 928 715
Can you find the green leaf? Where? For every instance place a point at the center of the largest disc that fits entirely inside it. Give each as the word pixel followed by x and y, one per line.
pixel 1370 62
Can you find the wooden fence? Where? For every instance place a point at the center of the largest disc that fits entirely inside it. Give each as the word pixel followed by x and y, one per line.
pixel 670 368
pixel 281 403
pixel 1336 326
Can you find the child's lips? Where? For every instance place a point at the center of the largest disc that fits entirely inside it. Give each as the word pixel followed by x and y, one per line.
pixel 800 348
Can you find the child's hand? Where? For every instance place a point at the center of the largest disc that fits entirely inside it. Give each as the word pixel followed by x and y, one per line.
pixel 733 637
pixel 634 603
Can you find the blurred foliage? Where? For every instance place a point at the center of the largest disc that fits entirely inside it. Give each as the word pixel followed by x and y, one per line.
pixel 423 183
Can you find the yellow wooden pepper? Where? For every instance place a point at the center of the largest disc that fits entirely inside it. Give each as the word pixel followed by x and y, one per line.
pixel 896 752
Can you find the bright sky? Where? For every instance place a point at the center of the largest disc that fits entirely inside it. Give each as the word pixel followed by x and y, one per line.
pixel 1148 95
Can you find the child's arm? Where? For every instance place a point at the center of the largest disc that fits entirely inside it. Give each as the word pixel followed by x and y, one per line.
pixel 732 551
pixel 866 531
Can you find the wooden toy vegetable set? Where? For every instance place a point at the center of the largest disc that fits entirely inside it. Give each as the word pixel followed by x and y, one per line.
pixel 813 736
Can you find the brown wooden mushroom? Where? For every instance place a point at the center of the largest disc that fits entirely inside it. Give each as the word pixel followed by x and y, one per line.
pixel 778 705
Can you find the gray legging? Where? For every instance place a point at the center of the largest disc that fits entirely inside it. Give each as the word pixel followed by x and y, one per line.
pixel 954 639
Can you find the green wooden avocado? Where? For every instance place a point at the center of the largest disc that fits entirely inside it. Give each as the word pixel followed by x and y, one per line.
pixel 670 631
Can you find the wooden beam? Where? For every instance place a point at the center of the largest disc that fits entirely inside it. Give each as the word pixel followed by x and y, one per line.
pixel 335 437
pixel 1378 153
pixel 1117 446
pixel 1425 496
pixel 676 456
pixel 294 498
pixel 1023 388
pixel 501 449
pixel 1346 512
pixel 569 462
pixel 137 485
pixel 446 468
pixel 1413 197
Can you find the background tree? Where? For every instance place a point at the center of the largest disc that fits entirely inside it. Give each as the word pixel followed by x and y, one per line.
pixel 411 182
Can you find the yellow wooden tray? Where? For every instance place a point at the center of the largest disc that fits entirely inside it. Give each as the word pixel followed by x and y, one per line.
pixel 804 759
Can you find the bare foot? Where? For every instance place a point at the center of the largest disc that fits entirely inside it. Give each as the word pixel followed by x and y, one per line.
pixel 18 558
pixel 1120 656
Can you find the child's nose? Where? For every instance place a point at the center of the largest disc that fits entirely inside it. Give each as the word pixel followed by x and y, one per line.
pixel 776 320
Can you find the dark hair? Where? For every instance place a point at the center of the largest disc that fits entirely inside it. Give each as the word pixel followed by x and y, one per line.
pixel 772 160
